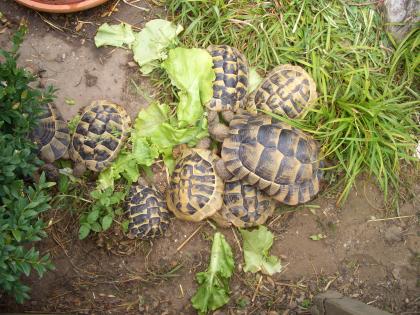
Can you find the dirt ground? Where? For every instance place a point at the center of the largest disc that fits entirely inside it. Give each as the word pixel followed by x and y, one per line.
pixel 362 256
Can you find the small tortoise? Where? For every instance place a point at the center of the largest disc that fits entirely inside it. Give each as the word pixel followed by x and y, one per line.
pixel 148 215
pixel 51 135
pixel 230 86
pixel 287 90
pixel 99 136
pixel 195 189
pixel 269 154
pixel 243 205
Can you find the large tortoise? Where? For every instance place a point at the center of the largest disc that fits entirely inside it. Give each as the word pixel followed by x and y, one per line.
pixel 147 212
pixel 286 90
pixel 230 86
pixel 273 156
pixel 243 205
pixel 99 136
pixel 195 189
pixel 51 135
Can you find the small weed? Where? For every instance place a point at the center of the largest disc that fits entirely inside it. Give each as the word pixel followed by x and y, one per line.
pixel 306 304
pixel 242 303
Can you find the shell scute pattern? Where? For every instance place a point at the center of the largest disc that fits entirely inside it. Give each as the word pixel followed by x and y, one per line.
pixel 244 205
pixel 148 215
pixel 100 134
pixel 274 156
pixel 287 90
pixel 52 134
pixel 195 189
pixel 231 83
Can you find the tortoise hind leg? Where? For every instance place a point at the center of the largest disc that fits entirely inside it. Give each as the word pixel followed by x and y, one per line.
pixel 217 130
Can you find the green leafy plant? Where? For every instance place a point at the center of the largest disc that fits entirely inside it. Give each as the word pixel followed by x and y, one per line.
pixel 257 244
pixel 101 214
pixel 20 202
pixel 213 291
pixel 366 83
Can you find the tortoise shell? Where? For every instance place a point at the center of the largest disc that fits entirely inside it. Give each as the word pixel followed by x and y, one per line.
pixel 100 134
pixel 195 190
pixel 231 83
pixel 244 205
pixel 273 156
pixel 287 90
pixel 147 212
pixel 51 135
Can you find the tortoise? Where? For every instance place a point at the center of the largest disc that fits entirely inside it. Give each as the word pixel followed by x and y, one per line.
pixel 243 205
pixel 99 136
pixel 195 189
pixel 52 135
pixel 229 87
pixel 286 90
pixel 273 156
pixel 147 212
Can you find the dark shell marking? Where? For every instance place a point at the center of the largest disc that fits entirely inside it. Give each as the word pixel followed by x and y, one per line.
pixel 102 129
pixel 273 156
pixel 195 190
pixel 231 83
pixel 287 90
pixel 147 212
pixel 51 135
pixel 245 205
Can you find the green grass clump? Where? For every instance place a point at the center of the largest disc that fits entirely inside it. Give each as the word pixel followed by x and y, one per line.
pixel 366 83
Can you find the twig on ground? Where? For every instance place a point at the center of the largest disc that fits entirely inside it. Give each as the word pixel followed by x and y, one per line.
pixel 256 289
pixel 131 3
pixel 236 239
pixel 189 238
pixel 393 218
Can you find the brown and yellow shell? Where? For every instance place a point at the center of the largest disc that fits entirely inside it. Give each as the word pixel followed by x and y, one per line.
pixel 195 190
pixel 51 135
pixel 149 218
pixel 277 158
pixel 287 90
pixel 244 205
pixel 231 83
pixel 100 134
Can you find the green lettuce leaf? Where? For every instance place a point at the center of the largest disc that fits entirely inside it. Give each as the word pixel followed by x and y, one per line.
pixel 191 71
pixel 213 291
pixel 119 35
pixel 257 243
pixel 152 42
pixel 254 80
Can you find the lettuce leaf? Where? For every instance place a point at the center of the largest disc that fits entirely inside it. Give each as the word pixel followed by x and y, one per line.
pixel 213 291
pixel 254 80
pixel 152 42
pixel 120 35
pixel 257 243
pixel 191 71
pixel 154 134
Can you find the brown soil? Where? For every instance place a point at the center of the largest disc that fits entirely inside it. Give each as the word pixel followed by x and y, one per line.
pixel 376 261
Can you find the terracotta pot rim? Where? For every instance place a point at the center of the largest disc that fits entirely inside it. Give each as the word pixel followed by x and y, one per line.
pixel 61 8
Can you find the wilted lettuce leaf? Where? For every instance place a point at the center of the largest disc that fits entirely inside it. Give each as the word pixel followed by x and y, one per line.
pixel 254 80
pixel 213 291
pixel 257 243
pixel 191 71
pixel 152 42
pixel 119 35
